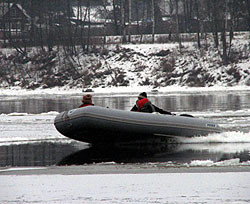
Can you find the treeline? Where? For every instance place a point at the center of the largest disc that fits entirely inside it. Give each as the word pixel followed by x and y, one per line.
pixel 69 23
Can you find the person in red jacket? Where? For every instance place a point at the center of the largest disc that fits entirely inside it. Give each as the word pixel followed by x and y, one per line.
pixel 86 101
pixel 144 105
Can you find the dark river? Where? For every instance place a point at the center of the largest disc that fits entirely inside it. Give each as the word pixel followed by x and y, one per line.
pixel 231 110
pixel 182 102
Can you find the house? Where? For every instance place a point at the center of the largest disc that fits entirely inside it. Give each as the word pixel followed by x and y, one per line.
pixel 14 20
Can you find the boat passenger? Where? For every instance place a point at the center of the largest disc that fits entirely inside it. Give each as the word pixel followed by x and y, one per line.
pixel 86 101
pixel 144 105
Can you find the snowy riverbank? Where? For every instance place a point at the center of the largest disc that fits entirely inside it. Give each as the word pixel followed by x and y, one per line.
pixel 17 91
pixel 128 65
pixel 192 185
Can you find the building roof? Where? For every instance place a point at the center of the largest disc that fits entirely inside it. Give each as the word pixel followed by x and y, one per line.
pixel 4 8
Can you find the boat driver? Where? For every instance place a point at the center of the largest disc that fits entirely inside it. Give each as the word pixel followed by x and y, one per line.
pixel 144 105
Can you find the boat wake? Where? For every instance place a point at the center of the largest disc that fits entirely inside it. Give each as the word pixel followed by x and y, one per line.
pixel 224 137
pixel 226 143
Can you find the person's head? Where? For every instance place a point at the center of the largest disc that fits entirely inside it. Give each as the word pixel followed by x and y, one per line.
pixel 142 95
pixel 87 99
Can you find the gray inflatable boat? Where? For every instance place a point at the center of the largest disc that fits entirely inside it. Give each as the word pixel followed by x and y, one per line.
pixel 93 124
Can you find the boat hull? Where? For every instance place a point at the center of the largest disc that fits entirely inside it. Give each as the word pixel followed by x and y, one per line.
pixel 94 124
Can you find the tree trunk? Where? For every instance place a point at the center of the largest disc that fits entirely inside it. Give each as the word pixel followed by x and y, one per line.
pixel 9 24
pixel 198 23
pixel 41 41
pixel 137 17
pixel 215 22
pixel 129 20
pixel 224 45
pixel 153 21
pixel 124 40
pixel 223 36
pixel 144 21
pixel 115 17
pixel 82 30
pixel 177 24
pixel 78 18
pixel 105 23
pixel 233 15
pixel 89 27
pixel 32 34
pixel 185 14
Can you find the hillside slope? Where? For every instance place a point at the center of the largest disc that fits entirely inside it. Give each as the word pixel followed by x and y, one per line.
pixel 157 65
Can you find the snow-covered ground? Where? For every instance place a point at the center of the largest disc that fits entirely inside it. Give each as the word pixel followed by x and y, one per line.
pixel 177 188
pixel 128 65
pixel 17 91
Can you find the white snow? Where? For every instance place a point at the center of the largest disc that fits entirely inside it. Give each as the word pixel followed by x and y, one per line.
pixel 16 91
pixel 230 162
pixel 134 65
pixel 177 188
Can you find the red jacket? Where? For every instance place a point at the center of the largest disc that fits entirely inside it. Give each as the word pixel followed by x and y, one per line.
pixel 144 105
pixel 141 103
pixel 84 105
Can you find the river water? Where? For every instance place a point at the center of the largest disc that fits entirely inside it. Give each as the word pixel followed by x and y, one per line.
pixel 28 136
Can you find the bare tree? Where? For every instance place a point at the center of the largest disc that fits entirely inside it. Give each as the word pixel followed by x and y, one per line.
pixel 105 21
pixel 215 20
pixel 198 23
pixel 223 34
pixel 89 27
pixel 9 23
pixel 137 17
pixel 144 22
pixel 115 11
pixel 83 20
pixel 40 30
pixel 129 20
pixel 123 25
pixel 177 23
pixel 224 43
pixel 236 9
pixel 153 21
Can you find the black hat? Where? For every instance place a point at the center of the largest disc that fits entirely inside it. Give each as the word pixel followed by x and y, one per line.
pixel 143 95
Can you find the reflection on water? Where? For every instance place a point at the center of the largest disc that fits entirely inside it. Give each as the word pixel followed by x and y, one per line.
pixel 73 153
pixel 176 103
pixel 35 154
pixel 176 154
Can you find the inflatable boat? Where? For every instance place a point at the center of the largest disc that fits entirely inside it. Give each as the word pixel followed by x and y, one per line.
pixel 93 124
